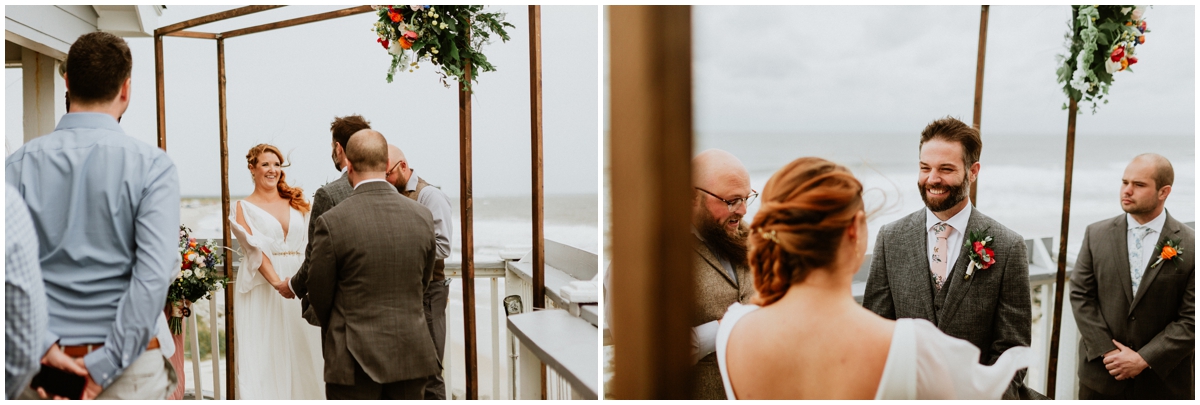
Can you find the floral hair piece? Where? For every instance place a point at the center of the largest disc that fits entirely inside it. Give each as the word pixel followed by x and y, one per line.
pixel 769 235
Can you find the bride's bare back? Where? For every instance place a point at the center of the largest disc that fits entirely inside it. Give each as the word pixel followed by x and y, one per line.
pixel 808 349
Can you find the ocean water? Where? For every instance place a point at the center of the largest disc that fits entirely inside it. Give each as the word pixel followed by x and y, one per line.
pixel 1020 182
pixel 500 222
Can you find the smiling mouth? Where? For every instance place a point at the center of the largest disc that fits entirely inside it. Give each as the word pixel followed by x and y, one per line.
pixel 937 191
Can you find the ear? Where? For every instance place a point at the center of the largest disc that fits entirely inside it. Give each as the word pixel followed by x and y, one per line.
pixel 1164 192
pixel 974 171
pixel 126 89
pixel 852 229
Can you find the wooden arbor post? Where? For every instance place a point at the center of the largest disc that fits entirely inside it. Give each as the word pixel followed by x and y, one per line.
pixel 651 147
pixel 466 204
pixel 975 120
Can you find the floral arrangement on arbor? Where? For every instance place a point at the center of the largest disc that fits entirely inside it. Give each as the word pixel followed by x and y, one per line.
pixel 446 36
pixel 1102 42
pixel 199 277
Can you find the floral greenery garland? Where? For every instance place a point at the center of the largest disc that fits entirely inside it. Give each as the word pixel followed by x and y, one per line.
pixel 198 277
pixel 1108 33
pixel 437 33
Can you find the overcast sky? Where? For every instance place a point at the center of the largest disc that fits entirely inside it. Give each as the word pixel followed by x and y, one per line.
pixel 285 86
pixel 853 69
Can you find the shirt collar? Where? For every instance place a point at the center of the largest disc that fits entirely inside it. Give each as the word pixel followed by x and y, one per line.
pixel 368 181
pixel 958 221
pixel 1155 224
pixel 89 120
pixel 412 182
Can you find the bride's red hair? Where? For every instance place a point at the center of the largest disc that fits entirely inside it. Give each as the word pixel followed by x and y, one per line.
pixel 806 207
pixel 294 195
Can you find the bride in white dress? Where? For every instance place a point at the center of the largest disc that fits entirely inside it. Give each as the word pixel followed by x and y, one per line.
pixel 806 337
pixel 279 353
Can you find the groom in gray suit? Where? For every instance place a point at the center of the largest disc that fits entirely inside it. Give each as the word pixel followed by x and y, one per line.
pixel 328 196
pixel 369 262
pixel 920 265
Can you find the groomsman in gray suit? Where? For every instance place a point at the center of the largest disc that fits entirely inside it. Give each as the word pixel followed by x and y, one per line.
pixel 369 263
pixel 327 197
pixel 721 187
pixel 920 264
pixel 1135 301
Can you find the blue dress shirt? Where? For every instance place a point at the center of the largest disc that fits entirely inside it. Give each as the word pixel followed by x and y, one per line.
pixel 24 298
pixel 106 210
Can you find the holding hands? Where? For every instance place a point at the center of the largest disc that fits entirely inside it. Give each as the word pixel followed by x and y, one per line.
pixel 284 288
pixel 1124 363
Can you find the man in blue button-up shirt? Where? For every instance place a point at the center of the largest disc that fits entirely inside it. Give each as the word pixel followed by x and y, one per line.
pixel 106 211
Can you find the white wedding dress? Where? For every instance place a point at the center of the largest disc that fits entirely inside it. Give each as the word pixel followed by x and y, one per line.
pixel 279 353
pixel 922 363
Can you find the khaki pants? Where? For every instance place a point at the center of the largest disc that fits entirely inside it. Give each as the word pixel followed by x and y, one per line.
pixel 151 376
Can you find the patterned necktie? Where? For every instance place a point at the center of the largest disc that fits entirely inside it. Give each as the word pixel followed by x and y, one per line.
pixel 1136 261
pixel 941 253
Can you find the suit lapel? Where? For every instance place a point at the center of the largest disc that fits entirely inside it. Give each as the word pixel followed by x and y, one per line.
pixel 702 249
pixel 958 286
pixel 921 272
pixel 1120 248
pixel 1170 229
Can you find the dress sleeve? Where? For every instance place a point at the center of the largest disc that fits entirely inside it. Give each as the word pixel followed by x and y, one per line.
pixel 948 367
pixel 251 251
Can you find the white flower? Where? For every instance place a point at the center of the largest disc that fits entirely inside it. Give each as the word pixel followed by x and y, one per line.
pixel 444 25
pixel 1137 13
pixel 395 49
pixel 199 260
pixel 1111 66
pixel 1126 10
pixel 187 273
pixel 200 273
pixel 415 8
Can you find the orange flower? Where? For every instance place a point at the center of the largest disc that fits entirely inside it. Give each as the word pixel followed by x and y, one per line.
pixel 404 43
pixel 1168 253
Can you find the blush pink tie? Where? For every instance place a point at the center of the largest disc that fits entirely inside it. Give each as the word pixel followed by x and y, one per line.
pixel 941 253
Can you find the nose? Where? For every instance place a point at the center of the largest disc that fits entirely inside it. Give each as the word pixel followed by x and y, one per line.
pixel 741 208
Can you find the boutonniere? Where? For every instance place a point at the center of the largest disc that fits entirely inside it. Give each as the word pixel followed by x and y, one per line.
pixel 1168 250
pixel 979 252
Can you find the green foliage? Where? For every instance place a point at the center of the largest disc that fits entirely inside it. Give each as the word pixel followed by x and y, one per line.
pixel 1086 72
pixel 450 37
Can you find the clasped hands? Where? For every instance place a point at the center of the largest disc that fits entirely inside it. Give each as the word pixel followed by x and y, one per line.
pixel 56 358
pixel 1124 363
pixel 284 288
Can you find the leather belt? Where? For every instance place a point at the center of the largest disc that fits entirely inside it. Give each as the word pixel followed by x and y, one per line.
pixel 83 350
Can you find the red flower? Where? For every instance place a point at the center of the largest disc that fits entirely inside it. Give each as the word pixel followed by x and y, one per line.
pixel 187 264
pixel 205 249
pixel 411 36
pixel 978 245
pixel 1132 59
pixel 383 42
pixel 1118 53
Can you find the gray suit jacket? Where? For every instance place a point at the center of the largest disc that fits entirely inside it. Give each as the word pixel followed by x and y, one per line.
pixel 992 310
pixel 326 197
pixel 715 292
pixel 1159 322
pixel 366 282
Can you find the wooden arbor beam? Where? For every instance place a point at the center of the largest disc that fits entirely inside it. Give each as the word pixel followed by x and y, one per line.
pixel 298 21
pixel 650 149
pixel 224 15
pixel 975 121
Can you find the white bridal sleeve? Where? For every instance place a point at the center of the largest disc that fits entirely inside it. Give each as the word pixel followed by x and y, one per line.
pixel 948 367
pixel 251 251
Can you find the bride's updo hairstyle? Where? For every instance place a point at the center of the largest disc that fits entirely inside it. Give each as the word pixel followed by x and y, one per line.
pixel 294 195
pixel 806 207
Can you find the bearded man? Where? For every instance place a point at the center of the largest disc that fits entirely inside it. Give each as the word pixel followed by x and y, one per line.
pixel 721 274
pixel 928 265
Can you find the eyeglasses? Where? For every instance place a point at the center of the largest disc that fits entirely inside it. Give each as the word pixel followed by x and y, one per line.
pixel 735 203
pixel 389 171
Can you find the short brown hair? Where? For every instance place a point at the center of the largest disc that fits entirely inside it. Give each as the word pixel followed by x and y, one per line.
pixel 950 129
pixel 343 127
pixel 367 151
pixel 97 66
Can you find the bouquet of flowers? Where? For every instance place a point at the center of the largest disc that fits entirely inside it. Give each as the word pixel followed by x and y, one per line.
pixel 199 277
pixel 1102 42
pixel 438 34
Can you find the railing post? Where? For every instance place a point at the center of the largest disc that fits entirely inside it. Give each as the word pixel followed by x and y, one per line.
pixel 194 340
pixel 497 356
pixel 215 343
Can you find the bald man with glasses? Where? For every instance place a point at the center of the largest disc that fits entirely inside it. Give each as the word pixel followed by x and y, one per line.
pixel 721 275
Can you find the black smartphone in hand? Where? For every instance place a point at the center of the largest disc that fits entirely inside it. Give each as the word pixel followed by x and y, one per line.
pixel 59 382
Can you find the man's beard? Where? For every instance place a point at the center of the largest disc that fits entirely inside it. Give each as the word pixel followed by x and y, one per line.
pixel 732 247
pixel 1138 208
pixel 954 195
pixel 336 163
